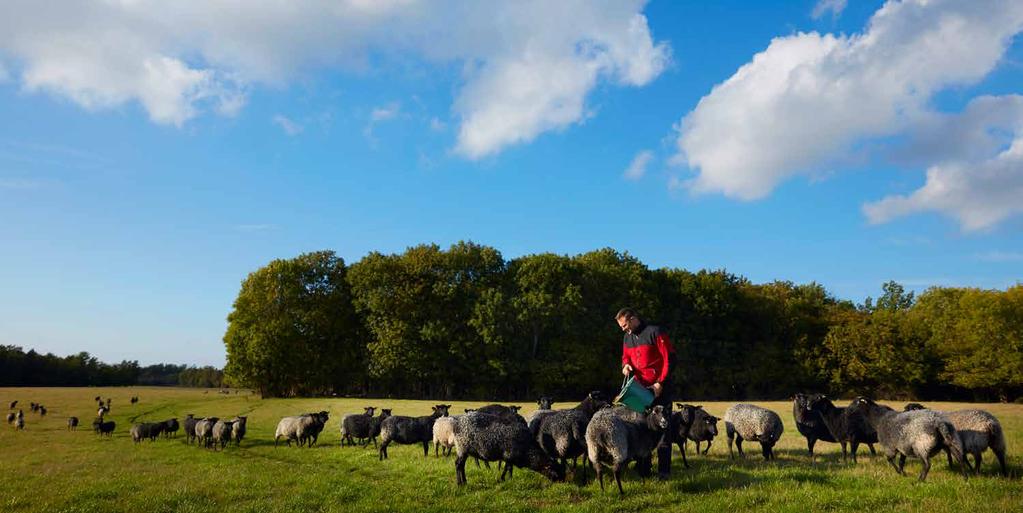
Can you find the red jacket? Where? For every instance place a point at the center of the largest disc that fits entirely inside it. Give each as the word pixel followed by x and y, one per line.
pixel 649 352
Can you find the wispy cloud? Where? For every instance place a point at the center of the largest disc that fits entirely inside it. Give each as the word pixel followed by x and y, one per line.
pixel 437 125
pixel 824 6
pixel 637 168
pixel 999 256
pixel 290 127
pixel 251 228
pixel 21 184
pixel 380 115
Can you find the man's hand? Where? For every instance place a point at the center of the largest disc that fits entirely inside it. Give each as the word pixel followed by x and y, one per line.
pixel 657 389
pixel 626 369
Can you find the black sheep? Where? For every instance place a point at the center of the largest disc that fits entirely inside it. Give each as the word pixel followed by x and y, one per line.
pixel 846 425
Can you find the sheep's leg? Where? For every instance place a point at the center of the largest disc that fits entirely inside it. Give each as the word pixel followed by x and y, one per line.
pixel 426 449
pixel 618 476
pixel 738 447
pixel 844 453
pixel 765 449
pixel 460 469
pixel 685 463
pixel 707 449
pixel 1000 454
pixel 948 455
pixel 600 475
pixel 730 455
pixel 810 442
pixel 697 447
pixel 891 460
pixel 383 450
pixel 853 446
pixel 436 449
pixel 926 469
pixel 902 464
pixel 872 451
pixel 976 456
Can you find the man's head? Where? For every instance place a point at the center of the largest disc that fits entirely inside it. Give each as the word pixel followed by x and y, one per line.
pixel 627 319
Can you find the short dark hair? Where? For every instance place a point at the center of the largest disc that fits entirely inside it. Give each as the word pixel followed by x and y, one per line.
pixel 626 312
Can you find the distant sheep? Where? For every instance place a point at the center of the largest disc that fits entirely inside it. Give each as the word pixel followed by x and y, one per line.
pixel 751 422
pixel 301 428
pixel 10 417
pixel 72 423
pixel 190 422
pixel 102 427
pixel 204 431
pixel 920 433
pixel 238 429
pixel 221 433
pixel 410 430
pixel 13 404
pixel 615 436
pixel 171 427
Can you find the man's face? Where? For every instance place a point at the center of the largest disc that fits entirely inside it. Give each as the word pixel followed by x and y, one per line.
pixel 627 323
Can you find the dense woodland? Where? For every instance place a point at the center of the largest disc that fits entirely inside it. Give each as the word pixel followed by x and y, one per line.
pixel 20 368
pixel 464 323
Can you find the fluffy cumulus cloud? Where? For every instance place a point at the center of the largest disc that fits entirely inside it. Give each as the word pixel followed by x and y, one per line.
pixel 529 65
pixel 806 101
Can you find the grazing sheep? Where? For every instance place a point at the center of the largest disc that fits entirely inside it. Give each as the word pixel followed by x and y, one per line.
pixel 356 425
pixel 34 407
pixel 562 433
pixel 845 425
pixel 97 399
pixel 103 410
pixel 10 417
pixel 42 411
pixel 190 421
pixel 72 423
pixel 809 423
pixel 978 430
pixel 19 423
pixel 919 433
pixel 238 430
pixel 492 438
pixel 170 427
pixel 374 426
pixel 410 430
pixel 751 422
pixel 204 431
pixel 221 433
pixel 703 429
pixel 13 404
pixel 615 436
pixel 138 432
pixel 134 400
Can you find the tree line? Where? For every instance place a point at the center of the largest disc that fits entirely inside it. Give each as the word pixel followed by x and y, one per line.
pixel 21 368
pixel 465 323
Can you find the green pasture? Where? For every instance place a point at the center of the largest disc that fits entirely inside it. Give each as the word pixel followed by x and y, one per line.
pixel 49 469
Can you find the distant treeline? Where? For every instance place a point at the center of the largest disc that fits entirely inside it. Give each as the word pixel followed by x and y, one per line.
pixel 20 368
pixel 464 323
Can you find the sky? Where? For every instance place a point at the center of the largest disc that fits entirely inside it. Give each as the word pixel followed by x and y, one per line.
pixel 153 154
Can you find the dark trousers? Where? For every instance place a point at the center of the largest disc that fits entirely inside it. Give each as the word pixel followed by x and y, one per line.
pixel 668 436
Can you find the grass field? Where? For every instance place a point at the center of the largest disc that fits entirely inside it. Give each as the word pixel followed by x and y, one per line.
pixel 46 468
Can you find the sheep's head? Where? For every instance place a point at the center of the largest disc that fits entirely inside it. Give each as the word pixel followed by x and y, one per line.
pixel 386 412
pixel 657 418
pixel 545 403
pixel 441 410
pixel 370 410
pixel 914 406
pixel 544 464
pixel 861 404
pixel 817 402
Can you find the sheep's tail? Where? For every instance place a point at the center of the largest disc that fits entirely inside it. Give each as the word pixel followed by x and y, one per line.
pixel 952 440
pixel 996 438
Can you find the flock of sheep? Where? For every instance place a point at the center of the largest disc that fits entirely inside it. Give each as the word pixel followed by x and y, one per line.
pixel 609 436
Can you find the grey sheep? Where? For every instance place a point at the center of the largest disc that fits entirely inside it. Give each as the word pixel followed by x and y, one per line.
pixel 751 422
pixel 309 432
pixel 19 423
pixel 444 434
pixel 356 425
pixel 221 433
pixel 10 417
pixel 920 433
pixel 410 430
pixel 171 427
pixel 374 426
pixel 492 438
pixel 204 431
pixel 303 428
pixel 190 421
pixel 72 423
pixel 545 405
pixel 238 429
pixel 615 436
pixel 978 430
pixel 562 433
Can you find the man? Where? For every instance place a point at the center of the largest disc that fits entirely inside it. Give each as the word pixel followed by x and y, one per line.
pixel 648 355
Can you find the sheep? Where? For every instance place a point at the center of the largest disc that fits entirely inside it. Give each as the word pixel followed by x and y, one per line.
pixel 356 425
pixel 615 436
pixel 492 438
pixel 103 428
pixel 13 404
pixel 34 407
pixel 19 423
pixel 190 421
pixel 146 430
pixel 809 423
pixel 103 410
pixel 10 418
pixel 750 422
pixel 238 430
pixel 410 430
pixel 72 423
pixel 221 433
pixel 374 426
pixel 508 413
pixel 703 429
pixel 845 425
pixel 302 428
pixel 978 430
pixel 562 433
pixel 444 434
pixel 204 431
pixel 170 427
pixel 682 420
pixel 42 411
pixel 920 433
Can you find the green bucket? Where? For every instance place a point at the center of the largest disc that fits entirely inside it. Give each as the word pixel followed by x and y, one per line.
pixel 634 396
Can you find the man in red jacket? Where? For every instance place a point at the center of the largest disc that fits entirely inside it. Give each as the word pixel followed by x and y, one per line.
pixel 647 354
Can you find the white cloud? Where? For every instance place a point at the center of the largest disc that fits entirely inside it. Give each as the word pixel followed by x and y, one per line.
pixel 977 194
pixel 835 7
pixel 437 125
pixel 290 127
pixel 806 100
pixel 1000 256
pixel 529 65
pixel 637 168
pixel 379 115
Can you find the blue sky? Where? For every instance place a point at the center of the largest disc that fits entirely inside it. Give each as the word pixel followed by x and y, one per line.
pixel 149 160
